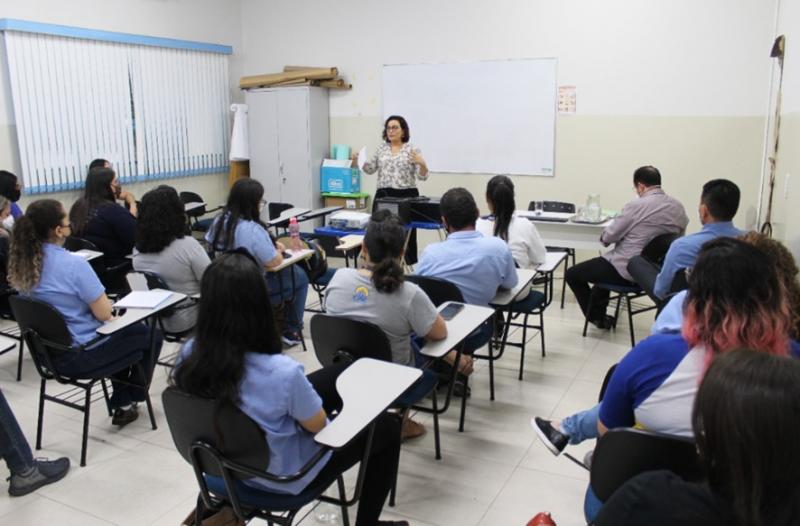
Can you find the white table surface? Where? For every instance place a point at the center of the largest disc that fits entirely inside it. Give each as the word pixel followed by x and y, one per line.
pixel 318 212
pixel 350 242
pixel 188 207
pixel 87 254
pixel 132 316
pixel 551 262
pixel 467 320
pixel 287 215
pixel 506 296
pixel 367 388
pixel 580 236
pixel 296 256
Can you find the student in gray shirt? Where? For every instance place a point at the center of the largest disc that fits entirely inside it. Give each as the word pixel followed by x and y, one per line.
pixel 162 247
pixel 378 294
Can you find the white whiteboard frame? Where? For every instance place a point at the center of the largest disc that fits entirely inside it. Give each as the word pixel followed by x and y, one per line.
pixel 549 168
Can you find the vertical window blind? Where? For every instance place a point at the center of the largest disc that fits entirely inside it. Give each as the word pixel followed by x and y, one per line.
pixel 153 111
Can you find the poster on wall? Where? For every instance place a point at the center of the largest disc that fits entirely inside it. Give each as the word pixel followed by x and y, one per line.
pixel 567 100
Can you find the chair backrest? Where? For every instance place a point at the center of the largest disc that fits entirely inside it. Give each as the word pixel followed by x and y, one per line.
pixel 192 197
pixel 224 427
pixel 338 339
pixel 275 209
pixel 41 318
pixel 679 281
pixel 438 290
pixel 656 249
pixel 623 453
pixel 554 206
pixel 75 243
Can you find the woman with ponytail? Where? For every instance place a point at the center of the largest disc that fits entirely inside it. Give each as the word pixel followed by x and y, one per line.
pixel 39 267
pixel 380 295
pixel 524 241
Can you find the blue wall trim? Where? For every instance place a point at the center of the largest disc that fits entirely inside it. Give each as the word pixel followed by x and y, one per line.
pixel 25 26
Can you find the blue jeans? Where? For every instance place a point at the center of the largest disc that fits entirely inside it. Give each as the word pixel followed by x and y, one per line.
pixel 478 338
pixel 117 357
pixel 581 426
pixel 13 446
pixel 289 285
pixel 591 505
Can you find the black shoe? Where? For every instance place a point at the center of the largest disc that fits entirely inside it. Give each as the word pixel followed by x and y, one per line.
pixel 460 389
pixel 43 472
pixel 551 437
pixel 123 417
pixel 605 323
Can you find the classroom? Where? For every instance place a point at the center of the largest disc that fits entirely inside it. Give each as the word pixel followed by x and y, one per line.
pixel 695 105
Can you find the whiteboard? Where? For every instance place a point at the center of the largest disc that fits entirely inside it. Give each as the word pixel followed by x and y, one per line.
pixel 478 117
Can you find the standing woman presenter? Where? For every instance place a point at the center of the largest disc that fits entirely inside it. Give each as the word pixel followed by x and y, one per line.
pixel 399 164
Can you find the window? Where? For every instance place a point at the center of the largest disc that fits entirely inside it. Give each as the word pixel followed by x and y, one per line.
pixel 155 108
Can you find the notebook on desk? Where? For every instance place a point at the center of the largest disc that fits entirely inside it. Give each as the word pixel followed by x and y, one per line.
pixel 143 299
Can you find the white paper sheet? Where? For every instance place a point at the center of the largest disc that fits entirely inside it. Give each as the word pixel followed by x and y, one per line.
pixel 362 157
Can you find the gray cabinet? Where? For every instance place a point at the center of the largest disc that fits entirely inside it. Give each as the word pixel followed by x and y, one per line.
pixel 289 138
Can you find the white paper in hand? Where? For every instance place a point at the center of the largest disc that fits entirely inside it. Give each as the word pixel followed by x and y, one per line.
pixel 362 157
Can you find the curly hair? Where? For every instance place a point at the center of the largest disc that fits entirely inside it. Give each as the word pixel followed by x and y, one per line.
pixel 787 269
pixel 736 299
pixel 161 220
pixel 31 231
pixel 385 240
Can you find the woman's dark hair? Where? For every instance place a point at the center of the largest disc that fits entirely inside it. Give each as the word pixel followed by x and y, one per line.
pixel 96 193
pixel 403 126
pixel 31 231
pixel 98 163
pixel 161 220
pixel 8 186
pixel 243 203
pixel 234 318
pixel 500 196
pixel 746 421
pixel 385 239
pixel 736 300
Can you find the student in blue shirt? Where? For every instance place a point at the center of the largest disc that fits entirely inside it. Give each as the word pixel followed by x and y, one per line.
pixel 39 267
pixel 236 358
pixel 240 226
pixel 719 202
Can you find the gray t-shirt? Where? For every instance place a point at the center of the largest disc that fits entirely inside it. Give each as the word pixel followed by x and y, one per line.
pixel 406 310
pixel 181 266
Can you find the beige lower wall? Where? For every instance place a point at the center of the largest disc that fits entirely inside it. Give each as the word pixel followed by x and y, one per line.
pixel 596 154
pixel 786 200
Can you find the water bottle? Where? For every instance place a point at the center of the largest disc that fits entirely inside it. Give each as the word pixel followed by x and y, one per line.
pixel 294 233
pixel 593 210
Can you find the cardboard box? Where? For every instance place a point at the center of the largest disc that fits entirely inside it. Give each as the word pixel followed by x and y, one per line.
pixel 338 176
pixel 355 201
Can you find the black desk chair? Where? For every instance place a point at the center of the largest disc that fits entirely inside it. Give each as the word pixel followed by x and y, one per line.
pixel 154 281
pixel 193 216
pixel 440 291
pixel 623 453
pixel 655 251
pixel 111 276
pixel 564 208
pixel 10 329
pixel 46 333
pixel 224 446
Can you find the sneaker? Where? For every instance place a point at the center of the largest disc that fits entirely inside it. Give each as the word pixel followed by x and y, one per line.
pixel 291 338
pixel 551 437
pixel 542 519
pixel 123 417
pixel 42 473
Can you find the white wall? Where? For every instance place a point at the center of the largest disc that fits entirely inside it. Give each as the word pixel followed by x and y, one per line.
pixel 214 21
pixel 679 84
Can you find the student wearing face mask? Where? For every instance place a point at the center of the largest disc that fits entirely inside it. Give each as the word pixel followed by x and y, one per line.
pixel 11 189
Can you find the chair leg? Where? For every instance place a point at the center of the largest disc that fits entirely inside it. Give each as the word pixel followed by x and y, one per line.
pixel 107 398
pixel 463 405
pixel 19 361
pixel 522 349
pixel 436 439
pixel 86 408
pixel 630 320
pixel 343 497
pixel 150 411
pixel 616 310
pixel 491 373
pixel 588 310
pixel 40 422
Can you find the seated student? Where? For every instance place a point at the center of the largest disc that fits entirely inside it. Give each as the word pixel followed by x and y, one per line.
pixel 746 421
pixel 236 358
pixel 240 226
pixel 97 217
pixel 477 265
pixel 719 202
pixel 27 474
pixel 653 386
pixel 11 189
pixel 163 247
pixel 99 163
pixel 670 318
pixel 654 213
pixel 521 235
pixel 40 268
pixel 379 294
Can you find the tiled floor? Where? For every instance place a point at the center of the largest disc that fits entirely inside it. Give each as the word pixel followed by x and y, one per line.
pixel 496 473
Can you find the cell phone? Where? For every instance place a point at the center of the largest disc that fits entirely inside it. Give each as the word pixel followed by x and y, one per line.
pixel 449 312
